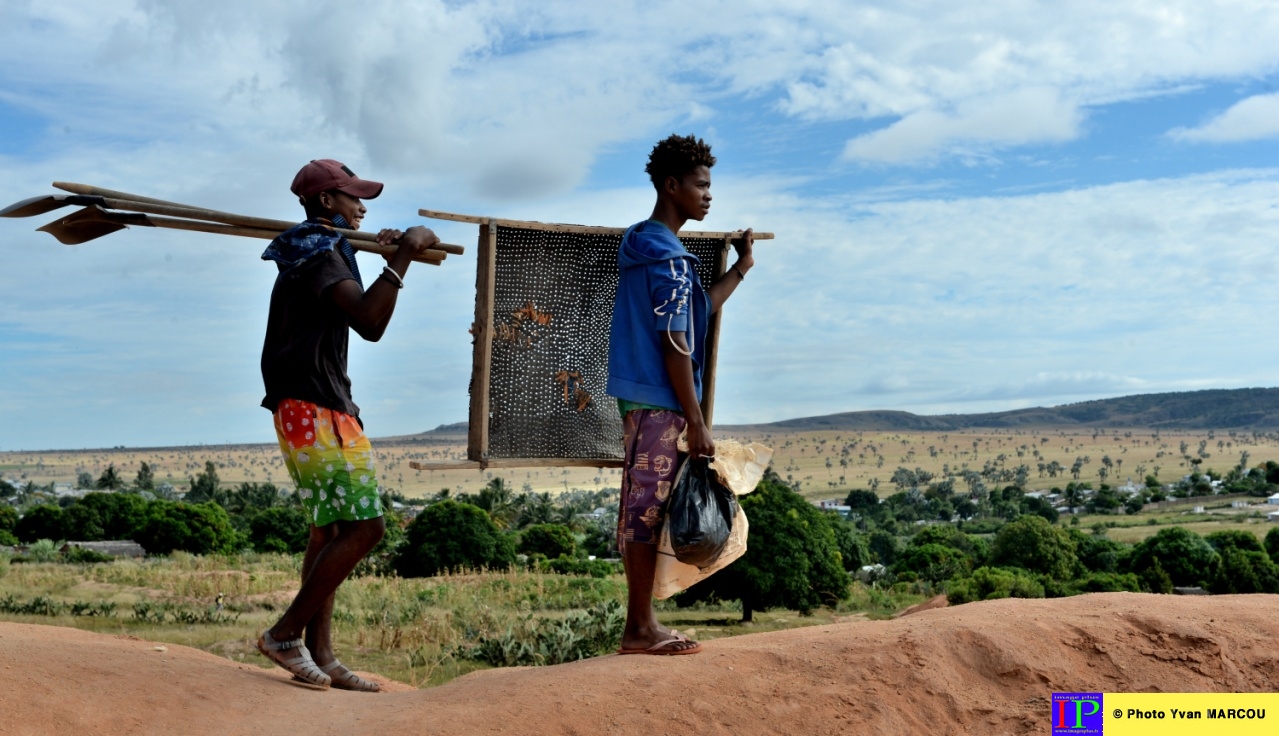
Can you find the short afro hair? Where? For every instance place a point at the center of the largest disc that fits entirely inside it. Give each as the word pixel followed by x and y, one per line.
pixel 677 155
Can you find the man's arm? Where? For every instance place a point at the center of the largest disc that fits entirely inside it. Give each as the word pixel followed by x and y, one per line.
pixel 723 288
pixel 679 366
pixel 370 311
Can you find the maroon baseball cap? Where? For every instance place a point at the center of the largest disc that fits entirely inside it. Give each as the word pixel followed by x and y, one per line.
pixel 324 174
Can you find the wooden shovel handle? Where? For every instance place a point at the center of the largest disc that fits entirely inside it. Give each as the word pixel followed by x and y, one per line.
pixel 251 232
pixel 126 201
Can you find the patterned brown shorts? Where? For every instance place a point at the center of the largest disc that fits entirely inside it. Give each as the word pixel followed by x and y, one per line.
pixel 649 469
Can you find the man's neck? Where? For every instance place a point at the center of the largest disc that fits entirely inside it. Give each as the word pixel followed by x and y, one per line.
pixel 664 213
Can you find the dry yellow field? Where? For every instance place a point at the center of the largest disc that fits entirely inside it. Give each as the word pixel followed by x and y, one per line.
pixel 827 464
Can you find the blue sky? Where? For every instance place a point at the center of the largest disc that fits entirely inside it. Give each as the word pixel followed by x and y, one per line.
pixel 1025 203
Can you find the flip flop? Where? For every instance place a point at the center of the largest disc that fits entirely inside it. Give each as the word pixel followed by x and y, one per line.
pixel 658 649
pixel 349 680
pixel 302 667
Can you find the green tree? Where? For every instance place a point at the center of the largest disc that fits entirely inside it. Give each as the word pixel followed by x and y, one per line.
pixel 933 562
pixel 1245 571
pixel 1234 539
pixel 1272 544
pixel 793 560
pixel 1095 552
pixel 852 546
pixel 862 501
pixel 109 480
pixel 146 479
pixel 41 522
pixel 548 540
pixel 883 547
pixel 279 529
pixel 8 518
pixel 452 536
pixel 949 536
pixel 1032 543
pixel 83 480
pixel 204 487
pixel 99 516
pixel 198 528
pixel 1186 558
pixel 1154 578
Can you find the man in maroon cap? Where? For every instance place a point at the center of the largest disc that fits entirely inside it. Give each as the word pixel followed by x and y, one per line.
pixel 318 296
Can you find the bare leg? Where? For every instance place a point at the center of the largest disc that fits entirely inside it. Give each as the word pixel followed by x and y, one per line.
pixel 642 629
pixel 319 629
pixel 330 565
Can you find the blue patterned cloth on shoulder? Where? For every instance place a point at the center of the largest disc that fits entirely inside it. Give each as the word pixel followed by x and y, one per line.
pixel 304 241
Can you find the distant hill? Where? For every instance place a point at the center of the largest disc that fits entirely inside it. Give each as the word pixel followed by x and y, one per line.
pixel 1244 408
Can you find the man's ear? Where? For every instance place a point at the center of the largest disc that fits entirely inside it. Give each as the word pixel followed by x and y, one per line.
pixel 670 184
pixel 326 201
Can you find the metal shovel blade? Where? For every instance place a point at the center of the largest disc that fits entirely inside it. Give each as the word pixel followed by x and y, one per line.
pixel 48 203
pixel 88 224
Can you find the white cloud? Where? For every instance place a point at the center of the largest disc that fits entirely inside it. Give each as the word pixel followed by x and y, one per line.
pixel 1251 119
pixel 1026 116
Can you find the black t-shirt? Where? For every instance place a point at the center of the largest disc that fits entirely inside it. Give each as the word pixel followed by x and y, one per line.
pixel 304 355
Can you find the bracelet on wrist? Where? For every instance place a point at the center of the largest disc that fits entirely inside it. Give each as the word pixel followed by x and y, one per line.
pixel 389 274
pixel 741 276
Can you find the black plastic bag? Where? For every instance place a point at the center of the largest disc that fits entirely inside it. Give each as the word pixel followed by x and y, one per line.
pixel 701 513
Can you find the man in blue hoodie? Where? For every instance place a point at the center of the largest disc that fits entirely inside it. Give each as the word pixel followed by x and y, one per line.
pixel 657 345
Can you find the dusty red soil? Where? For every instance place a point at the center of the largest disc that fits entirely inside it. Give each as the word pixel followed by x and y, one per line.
pixel 984 668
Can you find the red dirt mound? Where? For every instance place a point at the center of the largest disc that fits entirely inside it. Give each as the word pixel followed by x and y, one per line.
pixel 983 668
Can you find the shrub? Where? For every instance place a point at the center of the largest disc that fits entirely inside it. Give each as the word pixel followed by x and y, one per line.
pixel 579 635
pixel 43 550
pixel 7 539
pixel 549 540
pixel 1184 556
pixel 1032 543
pixel 565 565
pixel 1105 582
pixel 989 583
pixel 84 556
pixel 452 536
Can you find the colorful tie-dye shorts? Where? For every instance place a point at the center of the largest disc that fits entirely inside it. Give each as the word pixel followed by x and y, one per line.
pixel 331 462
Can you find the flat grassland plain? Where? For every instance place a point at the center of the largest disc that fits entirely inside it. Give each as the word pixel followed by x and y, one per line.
pixel 826 464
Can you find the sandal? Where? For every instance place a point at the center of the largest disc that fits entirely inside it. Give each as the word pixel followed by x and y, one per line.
pixel 660 647
pixel 302 667
pixel 349 680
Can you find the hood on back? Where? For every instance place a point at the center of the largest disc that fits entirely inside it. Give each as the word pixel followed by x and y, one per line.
pixel 650 242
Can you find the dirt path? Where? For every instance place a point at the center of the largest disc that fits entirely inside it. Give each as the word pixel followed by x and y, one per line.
pixel 985 668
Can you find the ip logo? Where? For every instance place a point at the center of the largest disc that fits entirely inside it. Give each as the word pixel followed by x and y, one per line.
pixel 1076 714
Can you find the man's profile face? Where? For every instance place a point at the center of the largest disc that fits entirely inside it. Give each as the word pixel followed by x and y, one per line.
pixel 338 203
pixel 691 194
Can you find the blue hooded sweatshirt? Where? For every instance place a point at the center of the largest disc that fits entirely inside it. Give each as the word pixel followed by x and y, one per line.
pixel 657 291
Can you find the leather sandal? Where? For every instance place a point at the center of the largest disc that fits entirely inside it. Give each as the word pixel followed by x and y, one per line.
pixel 302 667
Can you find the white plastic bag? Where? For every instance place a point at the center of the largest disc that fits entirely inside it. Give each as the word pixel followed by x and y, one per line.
pixel 672 576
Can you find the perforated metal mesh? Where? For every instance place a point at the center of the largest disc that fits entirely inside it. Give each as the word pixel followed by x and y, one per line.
pixel 552 305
